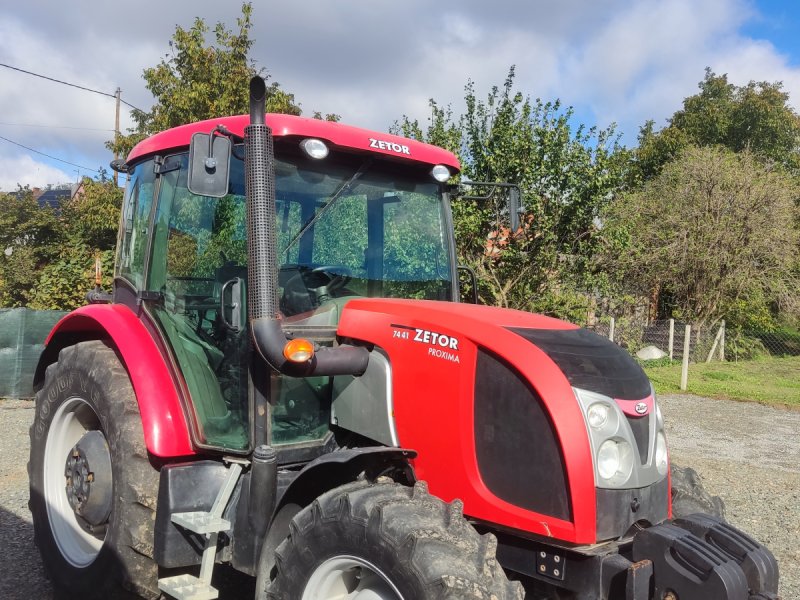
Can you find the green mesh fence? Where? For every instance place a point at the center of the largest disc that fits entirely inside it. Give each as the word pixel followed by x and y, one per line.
pixel 22 335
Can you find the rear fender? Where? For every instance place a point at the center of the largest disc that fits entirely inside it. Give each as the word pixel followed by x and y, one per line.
pixel 166 430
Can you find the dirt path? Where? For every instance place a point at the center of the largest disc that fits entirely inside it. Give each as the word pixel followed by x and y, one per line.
pixel 746 453
pixel 749 455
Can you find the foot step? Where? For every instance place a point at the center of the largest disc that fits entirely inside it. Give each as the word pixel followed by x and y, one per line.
pixel 187 587
pixel 201 522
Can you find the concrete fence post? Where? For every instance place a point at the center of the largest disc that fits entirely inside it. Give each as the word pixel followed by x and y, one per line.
pixel 611 329
pixel 671 346
pixel 687 342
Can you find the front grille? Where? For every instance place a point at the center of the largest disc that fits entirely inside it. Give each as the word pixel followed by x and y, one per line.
pixel 640 426
pixel 518 451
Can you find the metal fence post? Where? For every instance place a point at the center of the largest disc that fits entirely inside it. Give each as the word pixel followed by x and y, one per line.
pixel 687 341
pixel 722 341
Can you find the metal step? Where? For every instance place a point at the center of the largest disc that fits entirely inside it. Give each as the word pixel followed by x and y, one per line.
pixel 209 524
pixel 187 587
pixel 201 522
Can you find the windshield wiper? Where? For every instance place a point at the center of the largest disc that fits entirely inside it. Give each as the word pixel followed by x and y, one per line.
pixel 345 187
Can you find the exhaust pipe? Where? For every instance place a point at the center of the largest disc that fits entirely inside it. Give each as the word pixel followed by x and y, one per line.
pixel 262 249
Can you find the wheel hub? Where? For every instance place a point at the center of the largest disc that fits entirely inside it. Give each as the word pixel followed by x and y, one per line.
pixel 88 478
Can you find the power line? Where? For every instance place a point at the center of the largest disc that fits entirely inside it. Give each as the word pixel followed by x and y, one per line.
pixel 75 85
pixel 53 126
pixel 48 156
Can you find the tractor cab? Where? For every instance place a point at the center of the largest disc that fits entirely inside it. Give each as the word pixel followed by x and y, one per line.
pixel 352 223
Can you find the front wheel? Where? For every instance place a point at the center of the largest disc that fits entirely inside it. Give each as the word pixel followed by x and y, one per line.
pixel 92 489
pixel 385 541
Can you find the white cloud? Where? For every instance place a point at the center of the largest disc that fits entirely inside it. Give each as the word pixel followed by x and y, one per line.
pixel 615 60
pixel 23 170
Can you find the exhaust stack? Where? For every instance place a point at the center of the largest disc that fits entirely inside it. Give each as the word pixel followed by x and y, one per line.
pixel 262 249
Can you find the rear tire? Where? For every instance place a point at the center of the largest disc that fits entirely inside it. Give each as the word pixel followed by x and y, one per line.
pixel 386 541
pixel 88 391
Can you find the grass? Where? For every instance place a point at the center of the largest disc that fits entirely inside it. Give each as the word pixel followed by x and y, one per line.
pixel 768 381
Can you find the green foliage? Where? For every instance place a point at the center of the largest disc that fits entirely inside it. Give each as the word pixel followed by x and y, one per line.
pixel 49 255
pixel 566 177
pixel 713 232
pixel 197 81
pixel 755 117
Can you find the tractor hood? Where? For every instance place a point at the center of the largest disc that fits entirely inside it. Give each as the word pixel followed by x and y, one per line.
pixel 499 393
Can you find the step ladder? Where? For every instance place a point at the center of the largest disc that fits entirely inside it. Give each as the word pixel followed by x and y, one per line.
pixel 210 524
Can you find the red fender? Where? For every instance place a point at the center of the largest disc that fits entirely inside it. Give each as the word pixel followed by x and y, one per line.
pixel 166 431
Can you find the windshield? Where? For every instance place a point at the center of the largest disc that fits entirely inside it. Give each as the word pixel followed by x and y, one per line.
pixel 346 227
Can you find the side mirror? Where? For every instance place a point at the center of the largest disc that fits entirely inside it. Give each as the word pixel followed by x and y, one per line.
pixel 209 165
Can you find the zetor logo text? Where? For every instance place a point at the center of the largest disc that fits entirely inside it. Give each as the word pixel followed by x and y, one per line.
pixel 435 339
pixel 382 145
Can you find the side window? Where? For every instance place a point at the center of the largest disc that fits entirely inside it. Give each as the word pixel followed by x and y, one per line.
pixel 136 207
pixel 199 264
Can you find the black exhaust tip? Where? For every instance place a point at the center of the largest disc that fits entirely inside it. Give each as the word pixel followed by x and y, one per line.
pixel 258 100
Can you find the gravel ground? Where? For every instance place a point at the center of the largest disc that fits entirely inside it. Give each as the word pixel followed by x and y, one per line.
pixel 746 453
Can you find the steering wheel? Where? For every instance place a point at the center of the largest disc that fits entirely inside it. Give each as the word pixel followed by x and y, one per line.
pixel 308 289
pixel 338 276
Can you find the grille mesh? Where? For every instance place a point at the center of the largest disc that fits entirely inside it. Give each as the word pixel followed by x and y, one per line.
pixel 261 243
pixel 640 426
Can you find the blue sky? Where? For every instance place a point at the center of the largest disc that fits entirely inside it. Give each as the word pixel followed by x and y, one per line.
pixel 622 61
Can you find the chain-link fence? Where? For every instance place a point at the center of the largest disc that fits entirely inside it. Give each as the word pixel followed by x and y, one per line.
pixel 22 336
pixel 668 339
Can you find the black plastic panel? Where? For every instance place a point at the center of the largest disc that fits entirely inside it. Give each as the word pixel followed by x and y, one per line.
pixel 518 454
pixel 591 362
pixel 640 426
pixel 184 488
pixel 617 510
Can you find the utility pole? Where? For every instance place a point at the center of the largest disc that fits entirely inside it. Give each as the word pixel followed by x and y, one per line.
pixel 117 95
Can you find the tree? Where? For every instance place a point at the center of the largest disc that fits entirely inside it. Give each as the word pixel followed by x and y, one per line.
pixel 89 223
pixel 566 176
pixel 30 236
pixel 49 256
pixel 755 117
pixel 196 81
pixel 714 233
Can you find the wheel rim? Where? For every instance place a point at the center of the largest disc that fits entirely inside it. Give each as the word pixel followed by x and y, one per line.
pixel 78 542
pixel 349 578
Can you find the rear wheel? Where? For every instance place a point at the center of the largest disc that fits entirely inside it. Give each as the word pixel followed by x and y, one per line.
pixel 385 541
pixel 92 488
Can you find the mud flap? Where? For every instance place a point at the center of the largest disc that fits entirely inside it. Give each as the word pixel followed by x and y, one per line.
pixel 757 562
pixel 700 557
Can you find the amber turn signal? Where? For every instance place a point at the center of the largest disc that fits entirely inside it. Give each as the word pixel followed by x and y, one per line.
pixel 298 350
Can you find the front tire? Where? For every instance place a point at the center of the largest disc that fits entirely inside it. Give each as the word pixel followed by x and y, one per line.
pixel 389 542
pixel 92 488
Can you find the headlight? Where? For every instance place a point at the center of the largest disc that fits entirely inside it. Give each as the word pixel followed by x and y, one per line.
pixel 314 148
pixel 615 461
pixel 597 415
pixel 662 460
pixel 440 173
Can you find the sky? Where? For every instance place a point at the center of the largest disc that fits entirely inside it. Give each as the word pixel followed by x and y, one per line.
pixel 373 61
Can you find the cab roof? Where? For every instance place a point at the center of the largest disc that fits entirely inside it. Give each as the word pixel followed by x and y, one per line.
pixel 335 134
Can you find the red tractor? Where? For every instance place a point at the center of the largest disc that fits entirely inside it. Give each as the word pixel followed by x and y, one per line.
pixel 283 380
